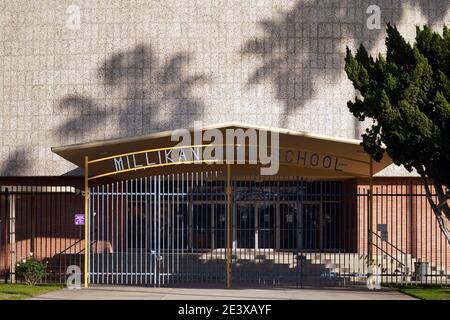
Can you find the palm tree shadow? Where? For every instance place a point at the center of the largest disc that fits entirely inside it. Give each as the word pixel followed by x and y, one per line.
pixel 152 95
pixel 305 46
pixel 17 165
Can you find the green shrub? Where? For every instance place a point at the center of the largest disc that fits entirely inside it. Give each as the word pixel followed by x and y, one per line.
pixel 31 271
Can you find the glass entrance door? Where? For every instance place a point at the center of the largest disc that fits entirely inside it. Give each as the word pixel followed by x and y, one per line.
pixel 312 235
pixel 289 226
pixel 255 225
pixel 266 226
pixel 201 222
pixel 245 225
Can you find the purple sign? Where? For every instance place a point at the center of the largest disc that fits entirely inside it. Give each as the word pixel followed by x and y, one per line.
pixel 79 219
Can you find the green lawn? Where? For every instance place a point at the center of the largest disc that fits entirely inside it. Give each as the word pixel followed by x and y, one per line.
pixel 21 291
pixel 428 293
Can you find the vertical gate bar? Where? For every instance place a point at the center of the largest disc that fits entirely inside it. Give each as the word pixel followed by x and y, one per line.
pixel 198 219
pixel 259 223
pixel 299 228
pixel 302 228
pixel 391 224
pixel 318 235
pixel 173 227
pixel 73 250
pixel 103 233
pixel 151 231
pixel 380 219
pixel 192 196
pixel 98 237
pixel 218 211
pixel 12 217
pixel 17 215
pixel 426 239
pixel 176 279
pixel 210 213
pixel 154 253
pixel 141 190
pixel 331 191
pixel 228 192
pixel 214 243
pixel 193 225
pixel 360 223
pixel 92 237
pixel 95 218
pixel 166 226
pixel 324 255
pixel 107 233
pixel 24 193
pixel 220 206
pixel 130 246
pixel 371 217
pixel 421 224
pixel 441 254
pixel 167 215
pixel 296 239
pixel 162 230
pixel 433 248
pixel 40 226
pixel 116 248
pixel 404 190
pixel 33 210
pixel 180 223
pixel 338 216
pixel 46 231
pixel 137 235
pixel 113 232
pixel 87 250
pixel 196 244
pixel 408 199
pixel 134 218
pixel 345 203
pixel 190 226
pixel 396 220
pixel 127 247
pixel 129 219
pixel 202 223
pixel 183 213
pixel 368 233
pixel 151 227
pixel 159 229
pixel 212 225
pixel 146 229
pixel 134 233
pixel 28 216
pixel 122 251
pixel 112 245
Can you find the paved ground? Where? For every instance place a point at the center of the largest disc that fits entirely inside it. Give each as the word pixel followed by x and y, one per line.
pixel 146 293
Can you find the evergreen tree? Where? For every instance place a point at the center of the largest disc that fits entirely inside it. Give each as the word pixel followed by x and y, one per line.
pixel 406 94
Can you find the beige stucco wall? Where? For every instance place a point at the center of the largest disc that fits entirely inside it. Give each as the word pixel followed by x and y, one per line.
pixel 141 66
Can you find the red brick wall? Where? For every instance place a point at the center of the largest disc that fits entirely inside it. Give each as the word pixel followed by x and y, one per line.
pixel 411 224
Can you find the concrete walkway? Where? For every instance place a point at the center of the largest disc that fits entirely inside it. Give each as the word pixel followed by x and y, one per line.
pixel 146 293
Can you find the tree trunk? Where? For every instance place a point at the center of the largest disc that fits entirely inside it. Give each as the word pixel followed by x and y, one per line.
pixel 440 210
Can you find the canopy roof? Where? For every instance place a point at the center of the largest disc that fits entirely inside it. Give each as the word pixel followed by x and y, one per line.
pixel 301 154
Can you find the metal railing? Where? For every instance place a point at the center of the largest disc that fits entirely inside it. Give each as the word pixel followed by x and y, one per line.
pixel 170 230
